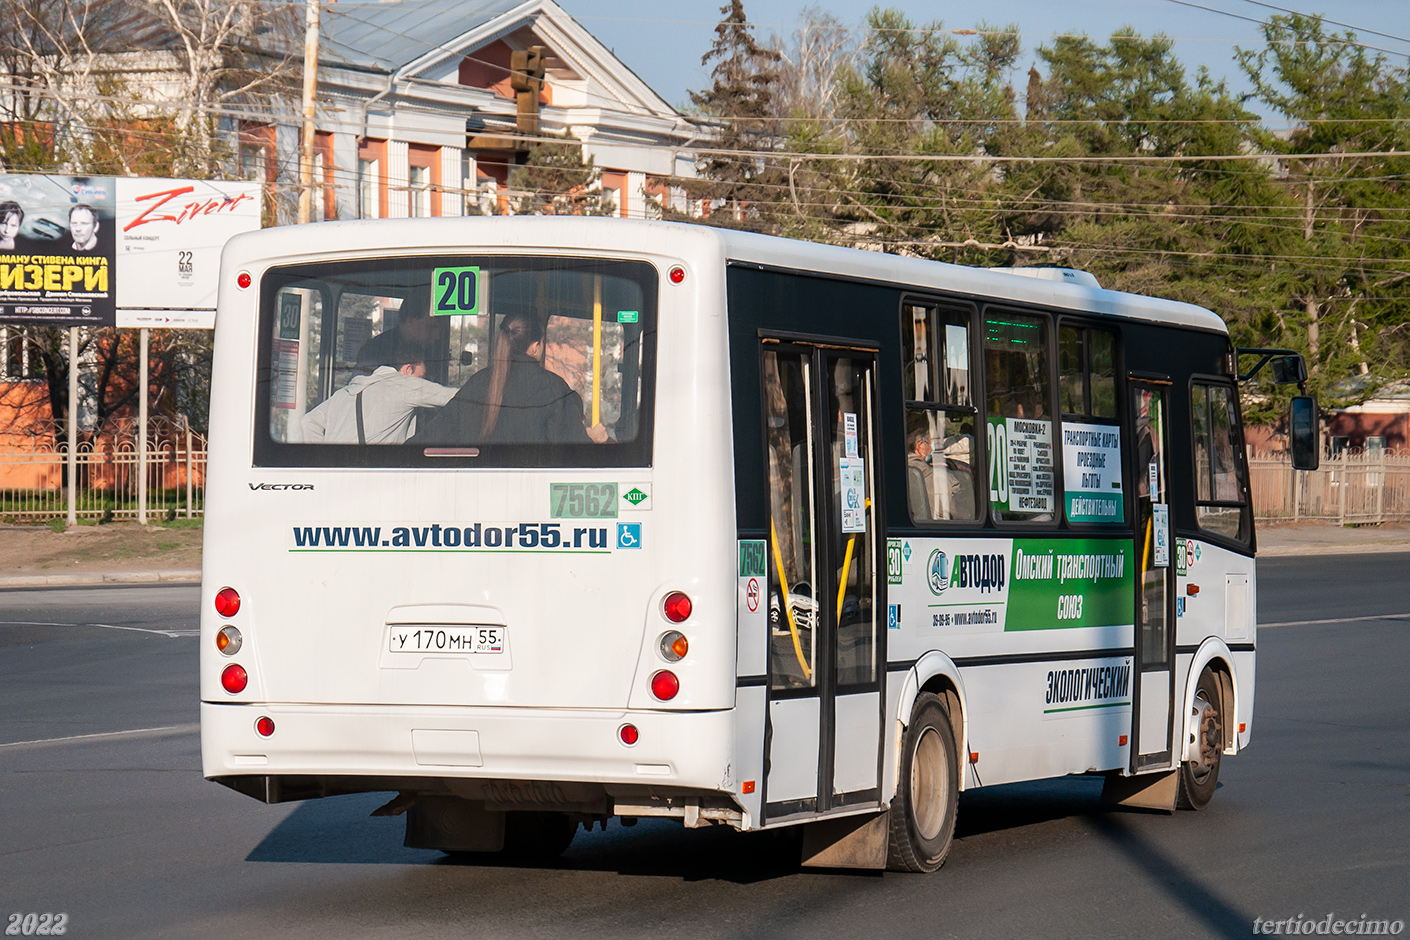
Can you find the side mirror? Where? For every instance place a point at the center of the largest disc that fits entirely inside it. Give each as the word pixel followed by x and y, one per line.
pixel 1290 370
pixel 1303 433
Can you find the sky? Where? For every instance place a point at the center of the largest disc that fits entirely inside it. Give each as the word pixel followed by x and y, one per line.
pixel 663 42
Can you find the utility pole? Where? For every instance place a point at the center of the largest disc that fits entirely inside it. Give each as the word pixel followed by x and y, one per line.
pixel 1310 301
pixel 306 181
pixel 72 519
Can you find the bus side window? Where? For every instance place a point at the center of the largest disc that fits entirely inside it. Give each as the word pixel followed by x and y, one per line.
pixel 1087 372
pixel 1220 503
pixel 1019 420
pixel 941 472
pixel 1091 436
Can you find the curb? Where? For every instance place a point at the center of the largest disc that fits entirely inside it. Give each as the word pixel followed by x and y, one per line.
pixel 1281 549
pixel 1331 548
pixel 79 579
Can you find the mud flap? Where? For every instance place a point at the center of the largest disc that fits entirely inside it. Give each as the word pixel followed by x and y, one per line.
pixel 1144 791
pixel 849 842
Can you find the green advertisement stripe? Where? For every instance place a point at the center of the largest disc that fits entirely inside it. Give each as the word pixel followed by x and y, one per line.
pixel 976 604
pixel 1010 627
pixel 1083 708
pixel 454 551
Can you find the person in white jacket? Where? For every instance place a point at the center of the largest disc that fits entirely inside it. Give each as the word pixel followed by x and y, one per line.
pixel 378 407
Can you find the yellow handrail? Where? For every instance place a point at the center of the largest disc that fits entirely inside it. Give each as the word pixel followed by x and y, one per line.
pixel 846 570
pixel 596 349
pixel 787 608
pixel 1147 550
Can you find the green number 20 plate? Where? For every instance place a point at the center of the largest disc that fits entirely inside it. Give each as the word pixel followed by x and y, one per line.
pixel 455 292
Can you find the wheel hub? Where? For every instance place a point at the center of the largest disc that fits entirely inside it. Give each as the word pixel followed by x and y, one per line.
pixel 928 774
pixel 1206 734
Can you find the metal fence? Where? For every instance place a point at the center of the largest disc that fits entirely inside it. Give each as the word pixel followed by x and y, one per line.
pixel 1347 489
pixel 34 474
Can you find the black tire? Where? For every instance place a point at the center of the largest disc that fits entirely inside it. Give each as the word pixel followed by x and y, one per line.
pixel 537 837
pixel 1199 778
pixel 927 790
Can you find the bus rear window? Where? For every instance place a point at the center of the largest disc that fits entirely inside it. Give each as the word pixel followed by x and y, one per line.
pixel 457 359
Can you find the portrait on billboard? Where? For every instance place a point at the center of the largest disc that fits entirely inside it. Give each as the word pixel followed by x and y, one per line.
pixel 57 264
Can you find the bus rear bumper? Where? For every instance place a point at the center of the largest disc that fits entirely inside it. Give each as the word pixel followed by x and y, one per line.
pixel 679 750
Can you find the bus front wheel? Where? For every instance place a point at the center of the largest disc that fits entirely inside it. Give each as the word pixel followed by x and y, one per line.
pixel 1199 776
pixel 923 810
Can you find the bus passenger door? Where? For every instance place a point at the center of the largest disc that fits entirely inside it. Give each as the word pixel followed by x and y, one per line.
pixel 1155 630
pixel 823 741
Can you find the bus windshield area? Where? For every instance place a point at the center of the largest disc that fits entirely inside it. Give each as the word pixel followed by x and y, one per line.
pixel 540 360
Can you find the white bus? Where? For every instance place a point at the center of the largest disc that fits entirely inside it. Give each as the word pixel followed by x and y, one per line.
pixel 534 522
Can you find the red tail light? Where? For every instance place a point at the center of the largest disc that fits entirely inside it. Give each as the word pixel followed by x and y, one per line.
pixel 677 606
pixel 265 726
pixel 227 602
pixel 234 678
pixel 628 734
pixel 665 685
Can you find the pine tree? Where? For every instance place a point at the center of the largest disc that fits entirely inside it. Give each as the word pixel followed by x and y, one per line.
pixel 556 179
pixel 739 183
pixel 1345 296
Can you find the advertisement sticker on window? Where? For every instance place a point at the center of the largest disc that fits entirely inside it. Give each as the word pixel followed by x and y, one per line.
pixel 1091 472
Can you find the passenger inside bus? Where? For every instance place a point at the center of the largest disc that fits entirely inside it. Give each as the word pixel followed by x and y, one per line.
pixel 919 473
pixel 927 501
pixel 417 326
pixel 515 400
pixel 378 405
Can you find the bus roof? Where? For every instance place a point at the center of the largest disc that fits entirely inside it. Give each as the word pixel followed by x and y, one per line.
pixel 979 282
pixel 649 237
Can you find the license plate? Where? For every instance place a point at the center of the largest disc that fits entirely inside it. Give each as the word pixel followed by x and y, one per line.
pixel 432 639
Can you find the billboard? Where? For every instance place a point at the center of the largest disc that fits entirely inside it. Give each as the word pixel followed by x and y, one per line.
pixel 105 251
pixel 169 237
pixel 56 250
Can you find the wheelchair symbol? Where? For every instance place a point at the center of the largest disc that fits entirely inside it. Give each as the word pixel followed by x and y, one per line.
pixel 629 535
pixel 852 501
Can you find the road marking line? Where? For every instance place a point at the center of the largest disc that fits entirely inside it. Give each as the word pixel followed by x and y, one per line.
pixel 1305 623
pixel 105 626
pixel 135 732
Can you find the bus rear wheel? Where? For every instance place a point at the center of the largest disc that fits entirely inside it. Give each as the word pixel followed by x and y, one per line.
pixel 1199 776
pixel 927 791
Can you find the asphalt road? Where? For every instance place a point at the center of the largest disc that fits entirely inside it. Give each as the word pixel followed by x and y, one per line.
pixel 119 831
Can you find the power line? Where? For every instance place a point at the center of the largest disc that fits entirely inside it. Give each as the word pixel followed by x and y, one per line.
pixel 1359 29
pixel 15 87
pixel 1265 24
pixel 927 31
pixel 1137 160
pixel 1151 159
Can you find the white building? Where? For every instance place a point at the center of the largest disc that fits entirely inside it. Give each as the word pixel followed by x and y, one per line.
pixel 417 115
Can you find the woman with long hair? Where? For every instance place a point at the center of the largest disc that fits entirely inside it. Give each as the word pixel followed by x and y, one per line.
pixel 514 400
pixel 11 218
